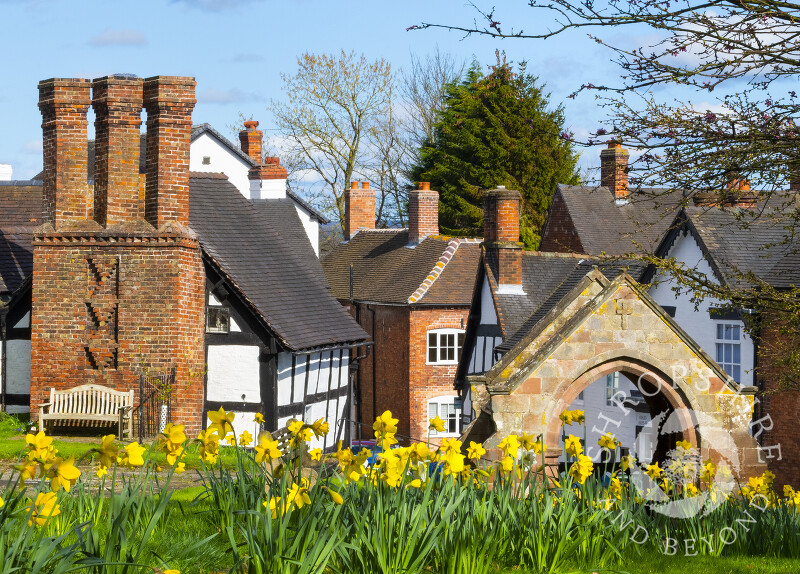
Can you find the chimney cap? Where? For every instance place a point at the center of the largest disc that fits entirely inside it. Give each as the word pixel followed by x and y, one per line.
pixel 424 185
pixel 614 144
pixel 251 124
pixel 364 185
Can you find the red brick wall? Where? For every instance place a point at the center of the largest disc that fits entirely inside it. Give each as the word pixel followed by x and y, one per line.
pixel 359 209
pixel 423 213
pixel 429 381
pixel 559 233
pixel 614 169
pixel 783 409
pixel 104 311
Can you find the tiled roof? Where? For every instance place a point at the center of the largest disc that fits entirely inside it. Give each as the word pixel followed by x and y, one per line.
pixel 547 278
pixel 267 271
pixel 605 227
pixel 20 212
pixel 764 245
pixel 438 271
pixel 281 215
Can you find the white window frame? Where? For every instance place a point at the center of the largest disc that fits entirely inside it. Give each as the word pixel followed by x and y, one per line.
pixel 449 402
pixel 612 385
pixel 439 333
pixel 733 346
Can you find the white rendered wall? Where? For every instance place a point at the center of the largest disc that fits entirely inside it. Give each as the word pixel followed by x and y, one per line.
pixel 233 371
pixel 488 314
pixel 602 418
pixel 697 323
pixel 5 172
pixel 311 226
pixel 222 160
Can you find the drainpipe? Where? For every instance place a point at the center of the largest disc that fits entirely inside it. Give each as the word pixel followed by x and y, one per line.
pixel 3 358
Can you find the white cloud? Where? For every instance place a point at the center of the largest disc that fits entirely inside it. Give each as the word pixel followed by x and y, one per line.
pixel 231 96
pixel 124 37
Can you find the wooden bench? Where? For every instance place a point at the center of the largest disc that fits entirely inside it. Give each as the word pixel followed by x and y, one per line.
pixel 89 404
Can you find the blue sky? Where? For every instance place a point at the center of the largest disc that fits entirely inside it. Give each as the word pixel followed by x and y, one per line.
pixel 237 50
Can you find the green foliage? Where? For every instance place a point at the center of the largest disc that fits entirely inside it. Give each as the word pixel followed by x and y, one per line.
pixel 497 129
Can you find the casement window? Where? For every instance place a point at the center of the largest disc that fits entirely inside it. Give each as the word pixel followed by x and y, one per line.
pixel 444 346
pixel 612 388
pixel 729 349
pixel 218 320
pixel 449 410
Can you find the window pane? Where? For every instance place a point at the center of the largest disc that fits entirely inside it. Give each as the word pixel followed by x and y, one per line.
pixel 736 352
pixel 735 374
pixel 461 340
pixel 735 332
pixel 720 331
pixel 719 352
pixel 432 410
pixel 432 354
pixel 728 353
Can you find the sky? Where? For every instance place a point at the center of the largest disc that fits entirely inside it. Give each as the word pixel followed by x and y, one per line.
pixel 238 49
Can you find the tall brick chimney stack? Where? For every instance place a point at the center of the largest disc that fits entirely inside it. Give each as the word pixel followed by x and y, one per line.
pixel 501 237
pixel 614 170
pixel 250 139
pixel 359 209
pixel 169 101
pixel 64 103
pixel 423 213
pixel 117 103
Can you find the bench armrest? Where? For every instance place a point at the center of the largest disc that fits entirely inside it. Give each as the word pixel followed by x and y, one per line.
pixel 45 404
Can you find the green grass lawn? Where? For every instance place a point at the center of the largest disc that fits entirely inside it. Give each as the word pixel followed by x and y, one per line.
pixel 12 442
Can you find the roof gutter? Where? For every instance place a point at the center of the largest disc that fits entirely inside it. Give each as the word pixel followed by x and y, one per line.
pixel 314 350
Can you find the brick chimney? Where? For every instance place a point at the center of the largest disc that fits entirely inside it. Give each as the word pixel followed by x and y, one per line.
pixel 64 103
pixel 169 101
pixel 423 213
pixel 614 170
pixel 359 209
pixel 250 138
pixel 117 103
pixel 501 238
pixel 737 193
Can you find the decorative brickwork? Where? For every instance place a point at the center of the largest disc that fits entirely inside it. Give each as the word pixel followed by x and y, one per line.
pixel 169 101
pixel 359 209
pixel 64 103
pixel 109 304
pixel 423 213
pixel 614 169
pixel 117 103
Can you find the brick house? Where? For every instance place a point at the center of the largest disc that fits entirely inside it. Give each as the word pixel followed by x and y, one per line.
pixel 702 235
pixel 410 289
pixel 169 270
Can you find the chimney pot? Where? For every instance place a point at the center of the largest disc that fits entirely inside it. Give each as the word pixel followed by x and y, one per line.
pixel 501 237
pixel 250 141
pixel 169 101
pixel 423 213
pixel 359 209
pixel 251 124
pixel 64 103
pixel 364 185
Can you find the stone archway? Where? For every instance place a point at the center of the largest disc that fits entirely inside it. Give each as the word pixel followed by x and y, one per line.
pixel 606 327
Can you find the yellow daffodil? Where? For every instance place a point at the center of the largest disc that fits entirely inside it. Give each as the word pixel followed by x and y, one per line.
pixel 267 449
pixel 315 454
pixel 108 451
pixel 684 445
pixel 654 471
pixel 63 474
pixel 26 471
pixel 172 571
pixel 174 433
pixel 39 442
pixel 450 454
pixel 295 427
pixel 1 502
pixel 180 467
pixel 436 424
pixel 44 508
pixel 320 428
pixel 416 483
pixel 335 496
pixel 578 416
pixel 691 490
pixel 132 455
pixel 507 464
pixel 607 441
pixel 245 439
pixel 627 462
pixel 298 494
pixel 581 469
pixel 572 446
pixel 258 418
pixel 209 445
pixel 274 506
pixel 221 421
pixel 615 488
pixel 527 441
pixel 566 418
pixel 475 450
pixel 510 445
pixel 385 423
pixel 539 447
